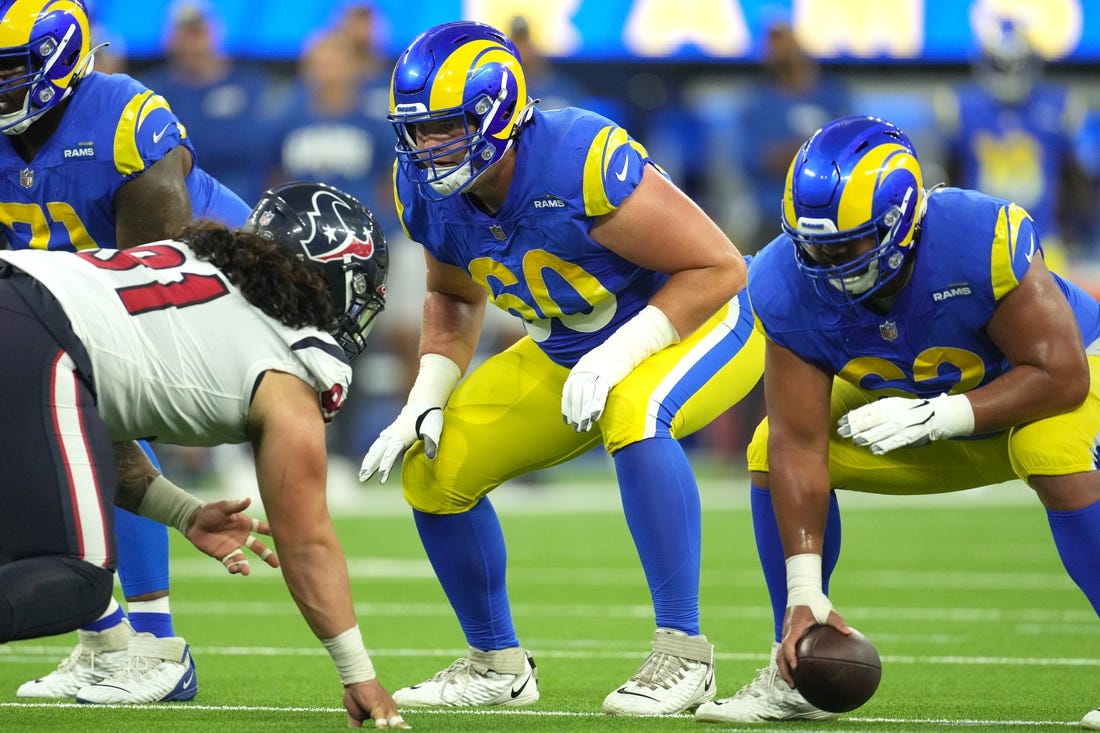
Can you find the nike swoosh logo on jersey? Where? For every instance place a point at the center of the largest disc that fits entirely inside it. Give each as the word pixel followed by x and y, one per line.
pixel 621 175
pixel 516 693
pixel 158 135
pixel 1031 252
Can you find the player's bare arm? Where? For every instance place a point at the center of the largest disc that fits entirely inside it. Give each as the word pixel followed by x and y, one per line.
pixel 797 396
pixel 156 203
pixel 288 437
pixel 454 308
pixel 1034 327
pixel 660 228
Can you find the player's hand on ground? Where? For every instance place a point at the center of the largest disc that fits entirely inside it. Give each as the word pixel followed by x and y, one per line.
pixel 423 422
pixel 796 623
pixel 221 531
pixel 369 701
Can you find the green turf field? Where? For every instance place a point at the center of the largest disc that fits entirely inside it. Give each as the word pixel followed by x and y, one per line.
pixel 978 626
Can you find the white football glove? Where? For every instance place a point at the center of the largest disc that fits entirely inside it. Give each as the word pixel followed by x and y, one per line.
pixel 414 422
pixel 420 418
pixel 595 374
pixel 904 422
pixel 583 398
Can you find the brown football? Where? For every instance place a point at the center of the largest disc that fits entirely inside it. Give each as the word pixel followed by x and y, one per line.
pixel 835 672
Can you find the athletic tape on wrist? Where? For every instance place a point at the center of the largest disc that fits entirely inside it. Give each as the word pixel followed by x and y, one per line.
pixel 168 504
pixel 435 381
pixel 352 662
pixel 645 334
pixel 804 586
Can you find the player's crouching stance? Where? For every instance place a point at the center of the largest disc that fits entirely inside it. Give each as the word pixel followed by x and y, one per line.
pixel 898 318
pixel 215 337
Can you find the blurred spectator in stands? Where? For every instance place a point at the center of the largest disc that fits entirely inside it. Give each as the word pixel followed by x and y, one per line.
pixel 1011 134
pixel 326 132
pixel 358 20
pixel 545 81
pixel 224 104
pixel 111 58
pixel 793 98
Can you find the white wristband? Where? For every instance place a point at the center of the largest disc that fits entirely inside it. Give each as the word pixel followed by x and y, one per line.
pixel 435 381
pixel 804 585
pixel 168 504
pixel 353 664
pixel 645 334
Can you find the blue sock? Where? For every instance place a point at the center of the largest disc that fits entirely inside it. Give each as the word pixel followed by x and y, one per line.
pixel 143 562
pixel 468 554
pixel 153 617
pixel 111 617
pixel 661 504
pixel 1077 537
pixel 769 547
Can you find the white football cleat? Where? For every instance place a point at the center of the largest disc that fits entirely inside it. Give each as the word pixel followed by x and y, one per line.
pixel 156 670
pixel 97 655
pixel 678 675
pixel 767 697
pixel 1091 721
pixel 506 677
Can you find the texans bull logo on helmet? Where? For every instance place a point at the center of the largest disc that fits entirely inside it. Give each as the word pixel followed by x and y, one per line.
pixel 344 239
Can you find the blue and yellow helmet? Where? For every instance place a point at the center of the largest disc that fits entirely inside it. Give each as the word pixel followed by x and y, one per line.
pixel 856 177
pixel 466 73
pixel 49 41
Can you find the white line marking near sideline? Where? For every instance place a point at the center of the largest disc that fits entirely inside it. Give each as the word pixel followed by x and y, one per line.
pixel 513 713
pixel 30 652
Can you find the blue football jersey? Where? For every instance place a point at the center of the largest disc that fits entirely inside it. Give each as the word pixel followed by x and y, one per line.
pixel 973 250
pixel 112 130
pixel 535 257
pixel 1015 151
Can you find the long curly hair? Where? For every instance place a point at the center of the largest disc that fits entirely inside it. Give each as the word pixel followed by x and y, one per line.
pixel 291 290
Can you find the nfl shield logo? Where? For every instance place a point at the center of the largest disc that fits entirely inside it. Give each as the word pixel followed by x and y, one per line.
pixel 498 232
pixel 26 178
pixel 888 330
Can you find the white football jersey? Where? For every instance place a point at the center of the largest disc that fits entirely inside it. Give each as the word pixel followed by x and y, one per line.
pixel 176 350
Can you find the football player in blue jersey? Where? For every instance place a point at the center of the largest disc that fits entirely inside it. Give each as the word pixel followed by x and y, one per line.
pixel 638 333
pixel 94 160
pixel 896 319
pixel 1012 134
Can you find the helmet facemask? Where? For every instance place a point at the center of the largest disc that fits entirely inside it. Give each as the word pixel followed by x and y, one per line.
pixel 862 276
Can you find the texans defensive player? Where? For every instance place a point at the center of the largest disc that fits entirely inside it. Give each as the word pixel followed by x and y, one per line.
pixel 91 160
pixel 637 326
pixel 898 318
pixel 214 337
